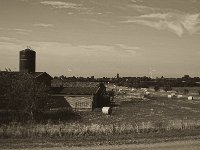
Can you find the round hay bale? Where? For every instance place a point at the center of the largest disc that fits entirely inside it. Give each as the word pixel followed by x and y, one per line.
pixel 173 94
pixel 147 93
pixel 132 89
pixel 169 96
pixel 106 110
pixel 190 97
pixel 179 96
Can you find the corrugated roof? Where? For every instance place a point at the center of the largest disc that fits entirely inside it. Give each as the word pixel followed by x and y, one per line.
pixel 81 84
pixel 74 90
pixel 58 83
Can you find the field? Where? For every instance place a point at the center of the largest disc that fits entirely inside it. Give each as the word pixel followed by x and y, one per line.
pixel 134 118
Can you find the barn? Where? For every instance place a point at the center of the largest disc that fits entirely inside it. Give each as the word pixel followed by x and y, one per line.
pixel 82 96
pixel 41 77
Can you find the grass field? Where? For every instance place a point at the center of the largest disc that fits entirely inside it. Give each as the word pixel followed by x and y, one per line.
pixel 135 117
pixel 192 90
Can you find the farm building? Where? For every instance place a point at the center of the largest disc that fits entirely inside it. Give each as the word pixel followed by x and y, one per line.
pixel 82 97
pixel 27 63
pixel 27 60
pixel 41 77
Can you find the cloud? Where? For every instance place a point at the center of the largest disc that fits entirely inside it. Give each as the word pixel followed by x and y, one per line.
pixel 43 25
pixel 4 38
pixel 172 20
pixel 178 23
pixel 97 21
pixel 127 49
pixel 192 23
pixel 59 4
pixel 21 31
pixel 136 1
pixel 142 8
pixel 120 48
pixel 71 7
pixel 17 30
pixel 24 0
pixel 68 50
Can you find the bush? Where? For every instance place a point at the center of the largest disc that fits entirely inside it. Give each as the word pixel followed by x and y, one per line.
pixel 156 88
pixel 168 88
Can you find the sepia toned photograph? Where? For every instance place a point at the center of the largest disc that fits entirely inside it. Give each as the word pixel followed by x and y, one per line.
pixel 100 74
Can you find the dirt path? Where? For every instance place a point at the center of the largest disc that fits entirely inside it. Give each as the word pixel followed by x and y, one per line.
pixel 177 145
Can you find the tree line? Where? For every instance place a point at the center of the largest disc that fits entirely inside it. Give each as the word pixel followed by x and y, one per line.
pixel 137 82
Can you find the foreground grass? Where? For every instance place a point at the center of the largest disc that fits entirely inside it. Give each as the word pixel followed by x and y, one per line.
pixel 74 130
pixel 30 135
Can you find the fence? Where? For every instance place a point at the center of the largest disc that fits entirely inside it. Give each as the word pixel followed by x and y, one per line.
pixel 83 106
pixel 80 102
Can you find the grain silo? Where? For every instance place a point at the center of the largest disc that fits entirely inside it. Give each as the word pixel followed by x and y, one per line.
pixel 27 61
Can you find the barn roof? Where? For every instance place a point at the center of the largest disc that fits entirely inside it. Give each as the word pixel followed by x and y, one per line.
pixel 59 82
pixel 34 74
pixel 39 74
pixel 74 90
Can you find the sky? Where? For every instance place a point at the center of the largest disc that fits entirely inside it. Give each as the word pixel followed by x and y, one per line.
pixel 103 37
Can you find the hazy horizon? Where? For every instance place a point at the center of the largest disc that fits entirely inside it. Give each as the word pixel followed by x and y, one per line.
pixel 103 37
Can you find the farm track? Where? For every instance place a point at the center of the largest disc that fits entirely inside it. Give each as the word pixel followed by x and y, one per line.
pixel 187 144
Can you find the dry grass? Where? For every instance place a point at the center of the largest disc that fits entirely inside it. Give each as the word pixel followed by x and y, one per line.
pixel 31 130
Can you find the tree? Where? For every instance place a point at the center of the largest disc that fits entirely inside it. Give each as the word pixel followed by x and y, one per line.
pixel 24 93
pixel 167 88
pixel 156 88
